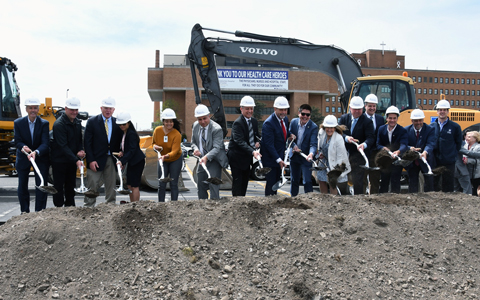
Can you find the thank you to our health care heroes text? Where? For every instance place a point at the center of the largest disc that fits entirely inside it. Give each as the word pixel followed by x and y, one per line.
pixel 253 79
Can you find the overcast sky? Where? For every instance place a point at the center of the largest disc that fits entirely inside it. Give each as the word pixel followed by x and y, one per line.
pixel 103 48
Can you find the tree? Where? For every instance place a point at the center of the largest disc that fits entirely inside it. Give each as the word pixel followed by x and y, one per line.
pixel 316 116
pixel 257 112
pixel 169 103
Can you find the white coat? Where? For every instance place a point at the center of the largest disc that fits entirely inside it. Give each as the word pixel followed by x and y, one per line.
pixel 337 153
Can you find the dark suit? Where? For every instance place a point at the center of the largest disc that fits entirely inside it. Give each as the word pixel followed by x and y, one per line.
pixel 426 142
pixel 374 176
pixel 399 142
pixel 97 148
pixel 298 164
pixel 273 147
pixel 134 156
pixel 364 133
pixel 240 155
pixel 217 158
pixel 41 143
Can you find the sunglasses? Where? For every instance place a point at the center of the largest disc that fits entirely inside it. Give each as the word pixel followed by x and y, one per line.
pixel 305 114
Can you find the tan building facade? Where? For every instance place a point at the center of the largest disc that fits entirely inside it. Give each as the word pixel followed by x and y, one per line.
pixel 173 86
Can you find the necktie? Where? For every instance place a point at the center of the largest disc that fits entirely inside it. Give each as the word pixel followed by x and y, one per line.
pixel 250 134
pixel 284 130
pixel 371 118
pixel 32 128
pixel 106 126
pixel 353 125
pixel 204 142
pixel 418 136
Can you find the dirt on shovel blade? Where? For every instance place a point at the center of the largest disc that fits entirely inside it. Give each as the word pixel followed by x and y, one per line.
pixel 439 170
pixel 410 155
pixel 383 160
pixel 48 189
pixel 335 173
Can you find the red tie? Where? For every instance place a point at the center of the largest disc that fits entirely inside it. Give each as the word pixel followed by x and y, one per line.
pixel 418 134
pixel 284 130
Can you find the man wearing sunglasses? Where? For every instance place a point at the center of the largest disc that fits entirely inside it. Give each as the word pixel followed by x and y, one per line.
pixel 305 131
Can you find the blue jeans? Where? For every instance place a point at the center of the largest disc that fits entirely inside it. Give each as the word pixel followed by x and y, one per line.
pixel 173 170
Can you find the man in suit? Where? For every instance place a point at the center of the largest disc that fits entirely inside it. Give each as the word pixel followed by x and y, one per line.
pixel 448 136
pixel 371 102
pixel 67 153
pixel 421 138
pixel 392 137
pixel 359 130
pixel 102 137
pixel 305 132
pixel 274 138
pixel 31 136
pixel 207 143
pixel 242 145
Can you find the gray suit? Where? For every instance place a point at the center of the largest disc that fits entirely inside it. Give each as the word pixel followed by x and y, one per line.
pixel 217 158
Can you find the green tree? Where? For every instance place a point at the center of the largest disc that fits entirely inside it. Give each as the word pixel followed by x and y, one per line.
pixel 316 116
pixel 169 103
pixel 257 112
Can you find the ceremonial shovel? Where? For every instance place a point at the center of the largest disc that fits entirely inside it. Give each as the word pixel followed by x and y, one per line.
pixel 82 189
pixel 160 161
pixel 120 189
pixel 44 188
pixel 281 182
pixel 212 180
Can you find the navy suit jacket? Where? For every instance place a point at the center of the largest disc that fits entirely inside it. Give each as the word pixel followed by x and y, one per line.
pixel 426 140
pixel 379 121
pixel 273 143
pixel 363 132
pixel 239 151
pixel 23 138
pixel 399 139
pixel 132 153
pixel 309 140
pixel 96 141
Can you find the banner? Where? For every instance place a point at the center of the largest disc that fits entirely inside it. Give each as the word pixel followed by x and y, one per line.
pixel 253 79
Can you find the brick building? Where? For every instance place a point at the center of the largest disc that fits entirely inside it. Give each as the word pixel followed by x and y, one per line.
pixel 173 85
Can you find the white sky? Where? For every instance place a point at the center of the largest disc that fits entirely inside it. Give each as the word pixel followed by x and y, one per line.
pixel 103 48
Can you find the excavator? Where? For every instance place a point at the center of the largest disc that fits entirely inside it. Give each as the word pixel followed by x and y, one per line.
pixel 397 90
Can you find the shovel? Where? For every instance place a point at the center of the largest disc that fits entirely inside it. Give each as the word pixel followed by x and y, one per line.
pixel 328 171
pixel 262 170
pixel 160 162
pixel 212 180
pixel 414 155
pixel 315 165
pixel 44 188
pixel 82 189
pixel 366 166
pixel 282 181
pixel 399 161
pixel 429 173
pixel 120 189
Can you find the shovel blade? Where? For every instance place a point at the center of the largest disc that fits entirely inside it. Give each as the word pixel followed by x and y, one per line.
pixel 91 194
pixel 402 163
pixel 276 186
pixel 317 168
pixel 167 179
pixel 264 171
pixel 47 189
pixel 81 190
pixel 369 168
pixel 214 180
pixel 123 191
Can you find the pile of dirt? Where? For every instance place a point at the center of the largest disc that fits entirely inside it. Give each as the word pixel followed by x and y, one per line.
pixel 312 246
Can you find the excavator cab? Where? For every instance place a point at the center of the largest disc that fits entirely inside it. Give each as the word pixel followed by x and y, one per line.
pixel 10 97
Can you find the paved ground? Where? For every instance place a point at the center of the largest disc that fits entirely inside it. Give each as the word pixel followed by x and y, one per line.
pixel 9 206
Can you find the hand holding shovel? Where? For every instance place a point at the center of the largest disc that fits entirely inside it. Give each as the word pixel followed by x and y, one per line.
pixel 82 189
pixel 399 161
pixel 282 181
pixel 212 180
pixel 160 162
pixel 44 188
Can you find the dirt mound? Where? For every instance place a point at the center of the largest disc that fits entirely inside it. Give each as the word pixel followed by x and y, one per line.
pixel 312 246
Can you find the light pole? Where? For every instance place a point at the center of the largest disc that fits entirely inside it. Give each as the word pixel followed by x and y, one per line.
pixel 67 93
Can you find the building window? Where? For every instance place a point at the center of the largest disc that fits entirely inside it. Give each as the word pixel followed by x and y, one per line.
pixel 333 109
pixel 457 92
pixel 462 92
pixel 327 109
pixel 478 103
pixel 446 92
pixel 424 91
pixel 414 78
pixel 231 110
pixel 468 102
pixel 436 80
pixel 436 92
pixel 468 93
pixel 463 103
pixel 419 91
pixel 457 80
pixel 446 79
pixel 429 101
pixel 424 101
pixel 436 101
pixel 463 80
pixel 468 80
pixel 425 78
pixel 419 79
pixel 441 79
pixel 441 91
pixel 456 102
pixel 333 99
pixel 430 79
pixel 452 92
pixel 327 99
pixel 419 101
pixel 473 92
pixel 451 80
pixel 478 81
pixel 478 93
pixel 473 81
pixel 430 91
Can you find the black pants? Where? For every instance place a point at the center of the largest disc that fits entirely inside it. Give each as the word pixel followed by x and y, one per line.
pixel 240 181
pixel 391 177
pixel 357 173
pixel 64 181
pixel 444 182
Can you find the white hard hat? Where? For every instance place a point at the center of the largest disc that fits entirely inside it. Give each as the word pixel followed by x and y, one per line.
pixel 417 114
pixel 392 110
pixel 281 102
pixel 247 101
pixel 330 121
pixel 356 102
pixel 443 104
pixel 371 98
pixel 72 103
pixel 123 118
pixel 108 102
pixel 201 110
pixel 32 101
pixel 168 114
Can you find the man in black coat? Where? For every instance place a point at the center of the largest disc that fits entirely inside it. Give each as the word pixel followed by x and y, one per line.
pixel 359 130
pixel 102 137
pixel 241 148
pixel 31 136
pixel 66 153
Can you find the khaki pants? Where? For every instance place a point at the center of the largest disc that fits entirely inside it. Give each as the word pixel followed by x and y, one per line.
pixel 96 179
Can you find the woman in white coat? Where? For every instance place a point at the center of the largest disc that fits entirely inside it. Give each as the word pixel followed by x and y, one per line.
pixel 332 152
pixel 472 140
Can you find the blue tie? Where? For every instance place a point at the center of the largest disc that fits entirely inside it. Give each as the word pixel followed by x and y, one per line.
pixel 353 124
pixel 32 128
